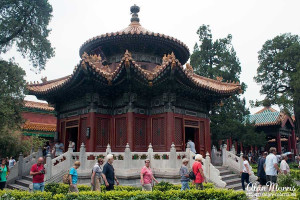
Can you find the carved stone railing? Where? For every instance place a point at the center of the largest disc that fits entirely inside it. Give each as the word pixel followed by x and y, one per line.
pixel 234 162
pixel 23 166
pixel 216 156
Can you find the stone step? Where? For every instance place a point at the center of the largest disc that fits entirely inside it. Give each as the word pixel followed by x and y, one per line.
pixel 17 187
pixel 237 186
pixel 225 172
pixel 229 176
pixel 29 178
pixel 23 182
pixel 233 181
pixel 221 168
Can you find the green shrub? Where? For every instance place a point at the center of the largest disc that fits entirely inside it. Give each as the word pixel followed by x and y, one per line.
pixel 295 174
pixel 165 186
pixel 24 195
pixel 219 194
pixel 286 180
pixel 60 188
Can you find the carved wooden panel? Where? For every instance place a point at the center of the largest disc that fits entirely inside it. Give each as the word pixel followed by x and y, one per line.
pixel 140 139
pixel 102 132
pixel 83 126
pixel 121 132
pixel 158 132
pixel 178 132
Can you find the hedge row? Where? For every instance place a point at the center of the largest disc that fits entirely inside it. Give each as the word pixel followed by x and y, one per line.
pixel 220 194
pixel 58 188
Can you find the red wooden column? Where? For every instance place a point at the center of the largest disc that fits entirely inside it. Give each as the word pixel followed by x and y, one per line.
pixel 236 146
pixel 241 146
pixel 289 143
pixel 130 128
pixel 207 137
pixel 90 147
pixel 227 143
pixel 294 142
pixel 170 130
pixel 278 140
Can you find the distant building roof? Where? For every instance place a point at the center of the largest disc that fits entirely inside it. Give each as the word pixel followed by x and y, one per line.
pixel 267 117
pixel 38 105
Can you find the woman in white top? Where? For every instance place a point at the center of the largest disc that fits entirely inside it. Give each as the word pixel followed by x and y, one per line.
pixel 284 167
pixel 246 171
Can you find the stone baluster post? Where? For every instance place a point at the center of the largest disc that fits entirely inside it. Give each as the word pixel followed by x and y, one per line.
pixel 188 150
pixel 82 157
pixel 21 165
pixel 108 149
pixel 233 149
pixel 70 155
pixel 207 166
pixel 241 162
pixel 150 152
pixel 224 154
pixel 39 153
pixel 127 157
pixel 32 150
pixel 48 166
pixel 213 153
pixel 172 157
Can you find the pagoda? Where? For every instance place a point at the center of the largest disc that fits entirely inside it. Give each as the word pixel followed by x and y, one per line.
pixel 131 86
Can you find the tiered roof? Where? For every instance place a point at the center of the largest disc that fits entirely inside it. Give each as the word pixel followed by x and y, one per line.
pixel 93 64
pixel 38 105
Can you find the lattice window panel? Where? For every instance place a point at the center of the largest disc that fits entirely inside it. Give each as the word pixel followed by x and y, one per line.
pixel 178 131
pixel 83 132
pixel 158 131
pixel 102 138
pixel 140 132
pixel 191 123
pixel 202 134
pixel 121 133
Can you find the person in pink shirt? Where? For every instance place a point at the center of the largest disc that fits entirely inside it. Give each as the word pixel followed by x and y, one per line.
pixel 147 176
pixel 198 171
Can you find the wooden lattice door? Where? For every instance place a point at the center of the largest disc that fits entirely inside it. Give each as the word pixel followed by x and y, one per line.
pixel 102 133
pixel 121 132
pixel 140 139
pixel 158 134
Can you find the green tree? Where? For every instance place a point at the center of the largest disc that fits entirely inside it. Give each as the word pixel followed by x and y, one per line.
pixel 279 73
pixel 218 59
pixel 12 85
pixel 24 23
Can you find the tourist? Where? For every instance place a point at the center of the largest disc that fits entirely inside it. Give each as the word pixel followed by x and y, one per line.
pixel 96 175
pixel 11 162
pixel 38 172
pixel 260 169
pixel 192 145
pixel 73 177
pixel 271 166
pixel 184 174
pixel 59 148
pixel 284 166
pixel 46 149
pixel 108 173
pixel 147 176
pixel 198 171
pixel 4 172
pixel 72 145
pixel 246 171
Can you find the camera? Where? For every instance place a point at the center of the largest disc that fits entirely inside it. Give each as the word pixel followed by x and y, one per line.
pixel 42 171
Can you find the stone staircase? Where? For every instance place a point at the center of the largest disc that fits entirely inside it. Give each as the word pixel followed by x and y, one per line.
pixel 232 180
pixel 21 184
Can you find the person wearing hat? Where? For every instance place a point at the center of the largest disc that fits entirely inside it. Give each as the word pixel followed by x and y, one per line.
pixel 147 176
pixel 198 171
pixel 184 175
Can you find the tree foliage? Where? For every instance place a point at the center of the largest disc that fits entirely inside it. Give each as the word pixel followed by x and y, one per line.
pixel 24 23
pixel 12 85
pixel 279 73
pixel 218 59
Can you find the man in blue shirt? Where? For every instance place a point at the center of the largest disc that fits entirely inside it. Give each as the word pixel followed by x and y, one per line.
pixel 108 173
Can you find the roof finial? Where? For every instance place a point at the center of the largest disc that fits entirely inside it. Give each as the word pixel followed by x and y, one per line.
pixel 134 10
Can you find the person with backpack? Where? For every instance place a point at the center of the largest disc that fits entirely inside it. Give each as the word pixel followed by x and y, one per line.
pixel 198 171
pixel 96 175
pixel 73 177
pixel 184 174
